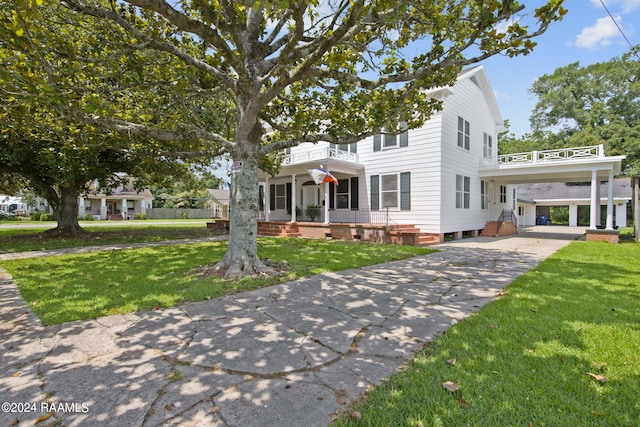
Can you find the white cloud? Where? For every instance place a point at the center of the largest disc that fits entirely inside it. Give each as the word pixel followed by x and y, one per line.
pixel 600 34
pixel 626 6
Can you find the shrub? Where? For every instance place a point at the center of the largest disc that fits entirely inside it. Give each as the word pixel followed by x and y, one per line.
pixel 89 217
pixel 140 216
pixel 5 217
pixel 46 217
pixel 35 215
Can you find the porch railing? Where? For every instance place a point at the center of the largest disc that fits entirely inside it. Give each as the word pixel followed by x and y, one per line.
pixel 507 215
pixel 359 216
pixel 548 156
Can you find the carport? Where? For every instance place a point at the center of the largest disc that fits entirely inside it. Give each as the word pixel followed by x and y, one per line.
pixel 579 164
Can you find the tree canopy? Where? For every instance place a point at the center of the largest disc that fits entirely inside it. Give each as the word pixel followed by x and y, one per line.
pixel 58 75
pixel 300 71
pixel 589 105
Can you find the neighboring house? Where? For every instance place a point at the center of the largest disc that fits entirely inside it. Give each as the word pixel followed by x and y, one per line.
pixel 10 205
pixel 120 204
pixel 534 201
pixel 426 177
pixel 219 203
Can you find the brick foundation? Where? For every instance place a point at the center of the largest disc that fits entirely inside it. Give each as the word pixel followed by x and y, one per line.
pixel 612 236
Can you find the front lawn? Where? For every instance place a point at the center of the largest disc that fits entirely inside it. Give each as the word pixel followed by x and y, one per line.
pixel 21 239
pixel 560 348
pixel 72 287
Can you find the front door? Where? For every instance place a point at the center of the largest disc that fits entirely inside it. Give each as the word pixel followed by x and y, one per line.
pixel 309 197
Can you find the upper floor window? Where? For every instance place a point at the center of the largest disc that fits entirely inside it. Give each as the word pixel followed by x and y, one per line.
pixel 464 133
pixel 487 146
pixel 386 141
pixel 349 148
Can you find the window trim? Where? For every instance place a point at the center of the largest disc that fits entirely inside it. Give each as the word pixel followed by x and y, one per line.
pixel 484 200
pixel 463 192
pixel 464 133
pixel 402 191
pixel 395 191
pixel 487 145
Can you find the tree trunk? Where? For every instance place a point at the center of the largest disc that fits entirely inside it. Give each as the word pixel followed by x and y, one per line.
pixel 241 258
pixel 66 211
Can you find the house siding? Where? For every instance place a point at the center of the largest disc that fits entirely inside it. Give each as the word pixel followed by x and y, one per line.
pixel 468 102
pixel 421 157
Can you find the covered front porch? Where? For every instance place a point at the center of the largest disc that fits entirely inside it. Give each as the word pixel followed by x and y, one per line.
pixel 293 196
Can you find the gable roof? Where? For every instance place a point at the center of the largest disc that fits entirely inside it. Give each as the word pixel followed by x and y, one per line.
pixel 478 75
pixel 222 196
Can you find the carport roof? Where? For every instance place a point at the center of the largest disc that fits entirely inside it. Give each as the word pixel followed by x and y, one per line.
pixel 571 191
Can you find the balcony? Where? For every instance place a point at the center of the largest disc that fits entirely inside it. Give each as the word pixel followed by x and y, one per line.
pixel 319 155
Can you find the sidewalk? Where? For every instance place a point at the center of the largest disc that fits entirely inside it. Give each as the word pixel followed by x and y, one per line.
pixel 288 355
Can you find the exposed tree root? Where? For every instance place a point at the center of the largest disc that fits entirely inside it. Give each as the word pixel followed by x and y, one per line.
pixel 238 268
pixel 65 231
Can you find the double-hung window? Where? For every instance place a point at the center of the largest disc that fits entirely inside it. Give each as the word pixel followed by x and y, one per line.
pixel 487 146
pixel 463 191
pixel 464 133
pixel 391 191
pixel 483 195
pixel 387 141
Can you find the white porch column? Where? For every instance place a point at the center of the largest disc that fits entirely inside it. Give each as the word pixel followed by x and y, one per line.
pixel 123 209
pixel 267 200
pixel 599 210
pixel 80 207
pixel 103 209
pixel 610 201
pixel 621 215
pixel 326 203
pixel 573 215
pixel 595 201
pixel 293 198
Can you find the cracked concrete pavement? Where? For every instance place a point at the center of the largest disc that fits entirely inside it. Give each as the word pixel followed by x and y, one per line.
pixel 288 355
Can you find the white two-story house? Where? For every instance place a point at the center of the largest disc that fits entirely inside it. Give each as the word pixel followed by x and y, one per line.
pixel 425 177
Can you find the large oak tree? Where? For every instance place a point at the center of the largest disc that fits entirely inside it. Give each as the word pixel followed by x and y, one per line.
pixel 589 105
pixel 307 71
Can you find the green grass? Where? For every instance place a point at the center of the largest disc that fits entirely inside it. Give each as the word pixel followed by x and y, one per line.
pixel 33 239
pixel 525 359
pixel 72 287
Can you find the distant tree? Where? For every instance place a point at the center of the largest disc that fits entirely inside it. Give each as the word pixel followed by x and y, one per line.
pixel 189 190
pixel 590 105
pixel 508 142
pixel 296 72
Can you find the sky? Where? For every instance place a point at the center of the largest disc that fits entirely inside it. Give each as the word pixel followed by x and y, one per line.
pixel 586 35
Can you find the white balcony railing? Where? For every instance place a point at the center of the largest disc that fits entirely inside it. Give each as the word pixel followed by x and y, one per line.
pixel 547 156
pixel 319 154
